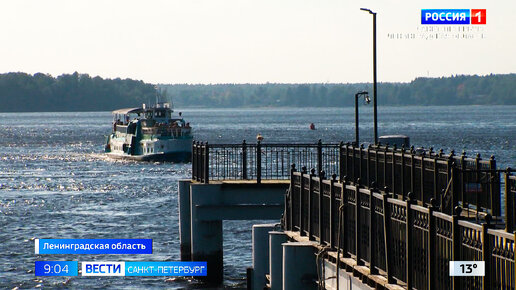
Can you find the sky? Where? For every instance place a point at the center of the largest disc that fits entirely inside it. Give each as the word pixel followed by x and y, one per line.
pixel 244 41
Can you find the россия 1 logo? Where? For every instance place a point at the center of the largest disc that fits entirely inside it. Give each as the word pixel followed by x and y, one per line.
pixel 453 16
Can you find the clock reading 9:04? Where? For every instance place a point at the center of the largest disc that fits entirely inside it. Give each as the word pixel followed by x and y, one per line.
pixel 56 268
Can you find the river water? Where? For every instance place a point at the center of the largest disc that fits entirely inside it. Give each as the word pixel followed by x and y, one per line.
pixel 56 183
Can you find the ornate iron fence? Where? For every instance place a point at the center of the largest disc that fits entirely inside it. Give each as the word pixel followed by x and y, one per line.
pixel 409 244
pixel 510 200
pixel 449 179
pixel 259 161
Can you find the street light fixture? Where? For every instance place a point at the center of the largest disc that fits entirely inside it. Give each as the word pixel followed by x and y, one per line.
pixel 367 101
pixel 375 115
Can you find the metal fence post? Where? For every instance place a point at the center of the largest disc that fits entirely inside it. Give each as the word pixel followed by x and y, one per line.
pixel 368 169
pixel 301 190
pixel 431 244
pixel 354 176
pixel 423 197
pixel 486 253
pixel 194 161
pixel 495 200
pixel 244 160
pixel 376 178
pixel 201 161
pixel 514 256
pixel 454 188
pixel 358 232
pixel 509 203
pixel 449 165
pixel 436 172
pixel 461 179
pixel 319 157
pixel 386 148
pixel 206 163
pixel 320 213
pixel 200 168
pixel 310 213
pixel 258 162
pixel 393 171
pixel 477 179
pixel 341 162
pixel 332 208
pixel 372 233
pixel 343 220
pixel 290 212
pixel 358 177
pixel 402 173
pixel 456 243
pixel 412 170
pixel 387 234
pixel 408 243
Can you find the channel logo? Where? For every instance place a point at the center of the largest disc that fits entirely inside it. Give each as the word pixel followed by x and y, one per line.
pixel 103 268
pixel 453 16
pixel 100 268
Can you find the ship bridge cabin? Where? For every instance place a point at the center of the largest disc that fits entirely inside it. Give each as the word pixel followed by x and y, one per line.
pixel 162 113
pixel 157 120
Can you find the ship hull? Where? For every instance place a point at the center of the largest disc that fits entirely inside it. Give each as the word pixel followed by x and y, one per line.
pixel 176 157
pixel 163 150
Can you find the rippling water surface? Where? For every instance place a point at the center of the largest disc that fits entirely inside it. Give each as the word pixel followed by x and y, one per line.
pixel 56 183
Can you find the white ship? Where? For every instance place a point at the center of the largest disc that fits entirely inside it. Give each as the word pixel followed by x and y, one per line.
pixel 150 134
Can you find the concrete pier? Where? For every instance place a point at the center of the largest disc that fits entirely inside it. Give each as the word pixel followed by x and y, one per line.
pixel 299 266
pixel 207 246
pixel 346 279
pixel 393 224
pixel 276 239
pixel 210 204
pixel 184 219
pixel 261 254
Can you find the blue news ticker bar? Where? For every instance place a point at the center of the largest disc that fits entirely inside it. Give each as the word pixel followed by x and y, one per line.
pixel 445 16
pixel 105 268
pixel 56 268
pixel 166 268
pixel 93 246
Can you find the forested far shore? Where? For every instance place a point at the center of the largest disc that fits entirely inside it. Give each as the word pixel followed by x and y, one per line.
pixel 455 90
pixel 21 92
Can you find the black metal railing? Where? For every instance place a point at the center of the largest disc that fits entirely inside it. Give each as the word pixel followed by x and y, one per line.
pixel 411 245
pixel 259 161
pixel 510 200
pixel 449 179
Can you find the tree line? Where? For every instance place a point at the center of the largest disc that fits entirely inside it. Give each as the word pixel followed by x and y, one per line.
pixel 455 90
pixel 21 92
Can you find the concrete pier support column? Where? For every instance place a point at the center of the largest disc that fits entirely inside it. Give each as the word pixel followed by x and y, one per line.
pixel 260 254
pixel 207 246
pixel 210 204
pixel 183 201
pixel 207 233
pixel 276 239
pixel 299 266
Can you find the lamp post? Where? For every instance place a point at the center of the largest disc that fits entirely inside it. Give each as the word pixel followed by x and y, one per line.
pixel 374 76
pixel 367 100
